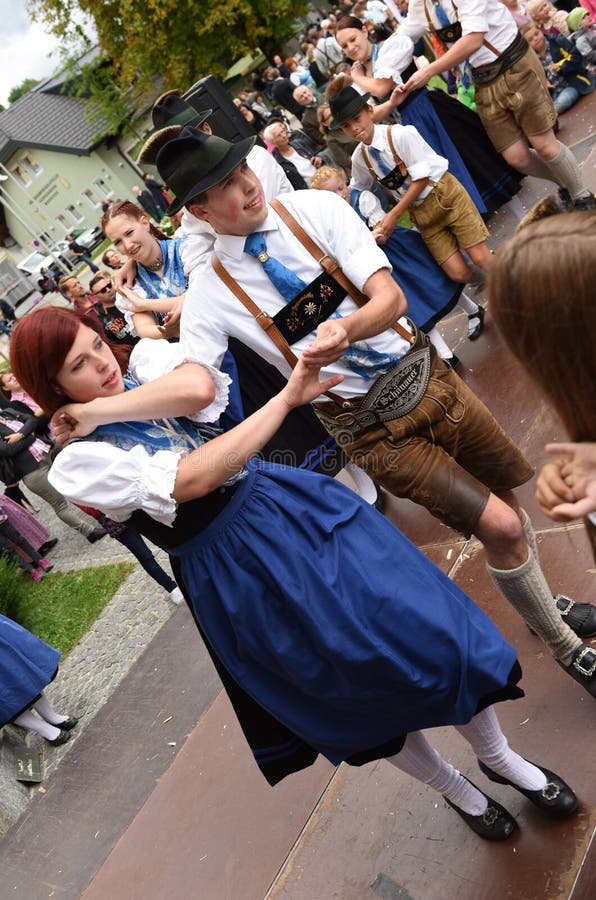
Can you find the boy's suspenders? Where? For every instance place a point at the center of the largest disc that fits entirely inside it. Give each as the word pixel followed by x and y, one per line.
pixel 399 163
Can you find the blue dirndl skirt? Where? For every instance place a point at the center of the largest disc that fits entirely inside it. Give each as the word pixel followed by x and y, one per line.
pixel 27 665
pixel 331 620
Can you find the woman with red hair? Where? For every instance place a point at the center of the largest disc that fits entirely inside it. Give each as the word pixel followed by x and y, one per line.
pixel 299 588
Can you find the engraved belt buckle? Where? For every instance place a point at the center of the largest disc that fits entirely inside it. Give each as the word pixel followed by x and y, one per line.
pixel 262 256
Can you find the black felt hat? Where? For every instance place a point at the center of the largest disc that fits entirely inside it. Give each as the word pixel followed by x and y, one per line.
pixel 194 162
pixel 345 105
pixel 171 109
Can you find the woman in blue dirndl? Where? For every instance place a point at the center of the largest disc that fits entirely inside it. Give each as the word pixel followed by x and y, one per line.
pixel 27 666
pixel 332 633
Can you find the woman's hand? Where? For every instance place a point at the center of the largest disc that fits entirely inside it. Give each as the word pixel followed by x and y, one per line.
pixel 304 385
pixel 358 72
pixel 171 323
pixel 316 161
pixel 74 420
pixel 379 235
pixel 566 488
pixel 125 276
pixel 13 438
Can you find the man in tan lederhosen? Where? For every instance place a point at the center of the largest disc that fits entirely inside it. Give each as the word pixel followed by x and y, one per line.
pixel 400 411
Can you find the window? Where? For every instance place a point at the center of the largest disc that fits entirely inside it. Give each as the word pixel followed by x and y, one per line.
pixel 103 187
pixel 75 214
pixel 29 163
pixel 21 175
pixel 92 198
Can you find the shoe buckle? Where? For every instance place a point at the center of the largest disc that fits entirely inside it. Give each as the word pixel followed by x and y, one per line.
pixel 564 604
pixel 586 653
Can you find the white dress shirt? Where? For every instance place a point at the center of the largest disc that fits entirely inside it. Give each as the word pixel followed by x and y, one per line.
pixel 490 17
pixel 212 313
pixel 420 159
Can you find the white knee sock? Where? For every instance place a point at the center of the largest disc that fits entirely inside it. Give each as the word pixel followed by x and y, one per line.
pixel 467 304
pixel 419 759
pixel 527 591
pixel 28 719
pixel 442 348
pixel 47 711
pixel 365 486
pixel 538 168
pixel 566 172
pixel 490 745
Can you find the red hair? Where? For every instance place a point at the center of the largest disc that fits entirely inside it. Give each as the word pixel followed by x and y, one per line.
pixel 40 343
pixel 126 208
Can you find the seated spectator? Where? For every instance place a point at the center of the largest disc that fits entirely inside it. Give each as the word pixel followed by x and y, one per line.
pixel 298 74
pixel 549 19
pixel 582 33
pixel 118 330
pixel 295 152
pixel 566 71
pixel 110 258
pixel 75 292
pixel 310 121
pixel 320 78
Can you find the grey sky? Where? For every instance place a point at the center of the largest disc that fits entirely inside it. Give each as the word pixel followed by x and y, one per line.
pixel 24 48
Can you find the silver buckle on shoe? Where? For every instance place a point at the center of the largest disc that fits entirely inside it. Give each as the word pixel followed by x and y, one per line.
pixel 577 663
pixel 567 602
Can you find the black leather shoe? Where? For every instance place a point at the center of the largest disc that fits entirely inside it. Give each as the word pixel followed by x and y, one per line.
pixel 96 535
pixel 555 798
pixel 476 331
pixel 45 548
pixel 581 617
pixel 452 361
pixel 69 724
pixel 495 823
pixel 583 668
pixel 586 202
pixel 62 738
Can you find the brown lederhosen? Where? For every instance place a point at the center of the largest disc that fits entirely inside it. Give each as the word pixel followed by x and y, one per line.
pixel 447 453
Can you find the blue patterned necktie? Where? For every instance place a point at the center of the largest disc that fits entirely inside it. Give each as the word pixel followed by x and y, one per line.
pixel 376 155
pixel 287 283
pixel 441 14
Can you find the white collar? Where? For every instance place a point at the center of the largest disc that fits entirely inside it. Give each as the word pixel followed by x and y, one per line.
pixel 233 244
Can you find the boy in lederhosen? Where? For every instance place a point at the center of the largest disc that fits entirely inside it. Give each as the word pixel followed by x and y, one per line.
pixel 397 157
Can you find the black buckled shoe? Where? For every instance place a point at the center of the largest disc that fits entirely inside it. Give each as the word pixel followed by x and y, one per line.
pixel 495 823
pixel 556 797
pixel 582 668
pixel 581 617
pixel 588 201
pixel 62 738
pixel 68 724
pixel 475 331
